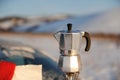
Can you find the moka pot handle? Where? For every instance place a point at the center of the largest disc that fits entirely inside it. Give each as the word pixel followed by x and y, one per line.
pixel 88 40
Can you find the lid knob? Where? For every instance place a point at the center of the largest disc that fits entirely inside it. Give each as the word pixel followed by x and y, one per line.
pixel 69 25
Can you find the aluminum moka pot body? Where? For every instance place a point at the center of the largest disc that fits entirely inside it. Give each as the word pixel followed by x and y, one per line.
pixel 70 41
pixel 69 45
pixel 70 64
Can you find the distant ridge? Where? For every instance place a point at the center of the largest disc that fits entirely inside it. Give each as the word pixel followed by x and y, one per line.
pixel 11 22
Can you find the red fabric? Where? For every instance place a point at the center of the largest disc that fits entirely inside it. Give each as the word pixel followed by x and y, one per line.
pixel 6 70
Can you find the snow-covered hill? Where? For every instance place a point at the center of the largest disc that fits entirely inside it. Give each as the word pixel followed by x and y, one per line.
pixel 108 22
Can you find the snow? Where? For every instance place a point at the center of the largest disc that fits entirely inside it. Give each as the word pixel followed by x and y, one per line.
pixel 101 62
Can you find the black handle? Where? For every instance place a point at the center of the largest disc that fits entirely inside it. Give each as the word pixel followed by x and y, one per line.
pixel 88 41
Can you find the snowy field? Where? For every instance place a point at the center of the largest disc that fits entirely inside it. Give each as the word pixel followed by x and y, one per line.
pixel 101 62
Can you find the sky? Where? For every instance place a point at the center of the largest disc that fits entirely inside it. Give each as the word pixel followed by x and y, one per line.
pixel 54 7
